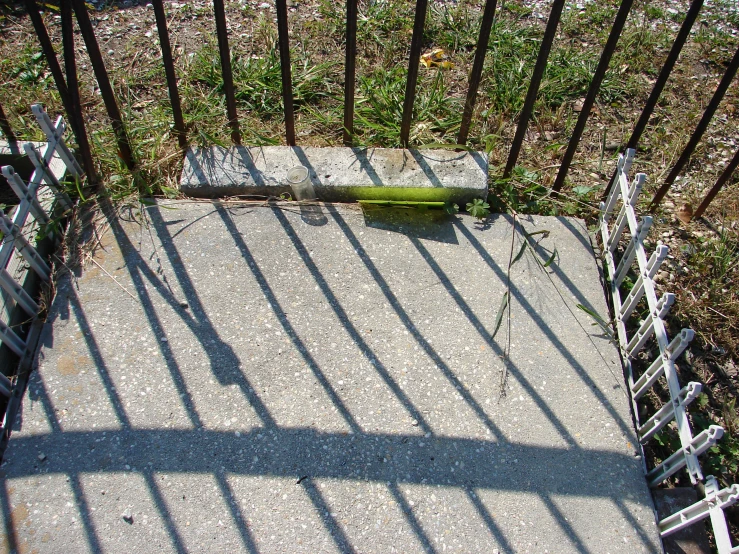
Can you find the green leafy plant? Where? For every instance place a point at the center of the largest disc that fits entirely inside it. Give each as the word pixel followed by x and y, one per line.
pixel 478 208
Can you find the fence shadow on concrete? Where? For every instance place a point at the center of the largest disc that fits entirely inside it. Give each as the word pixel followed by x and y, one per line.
pixel 309 454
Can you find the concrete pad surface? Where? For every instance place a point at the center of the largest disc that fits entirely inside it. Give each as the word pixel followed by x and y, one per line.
pixel 252 378
pixel 338 174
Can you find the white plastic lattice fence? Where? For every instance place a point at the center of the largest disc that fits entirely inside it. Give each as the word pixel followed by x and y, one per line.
pixel 18 228
pixel 623 248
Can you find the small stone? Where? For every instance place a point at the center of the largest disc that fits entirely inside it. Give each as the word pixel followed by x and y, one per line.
pixel 164 339
pixel 414 423
pixel 41 457
pixel 110 52
pixel 264 5
pixel 150 6
pixel 127 516
pixel 184 305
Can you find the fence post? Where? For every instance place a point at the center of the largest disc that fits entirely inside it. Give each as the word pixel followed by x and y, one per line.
pixel 5 126
pixel 101 75
pixel 488 16
pixel 413 61
pixel 539 68
pixel 722 180
pixel 228 82
pixel 50 55
pixel 659 85
pixel 174 95
pixel 350 70
pixel 600 73
pixel 699 130
pixel 287 83
pixel 75 105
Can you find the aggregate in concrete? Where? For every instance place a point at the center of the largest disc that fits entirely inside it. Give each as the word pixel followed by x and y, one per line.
pixel 232 378
pixel 338 174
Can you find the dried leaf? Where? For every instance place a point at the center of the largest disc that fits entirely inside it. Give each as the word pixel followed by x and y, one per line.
pixel 436 58
pixel 684 213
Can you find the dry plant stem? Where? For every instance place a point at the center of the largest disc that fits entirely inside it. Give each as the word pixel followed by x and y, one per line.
pixel 507 348
pixel 93 260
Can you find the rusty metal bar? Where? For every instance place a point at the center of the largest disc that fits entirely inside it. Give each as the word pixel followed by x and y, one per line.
pixel 659 85
pixel 48 49
pixel 74 110
pixel 350 73
pixel 600 73
pixel 106 89
pixel 5 126
pixel 413 63
pixel 228 81
pixel 488 16
pixel 174 95
pixel 287 83
pixel 699 130
pixel 536 77
pixel 722 180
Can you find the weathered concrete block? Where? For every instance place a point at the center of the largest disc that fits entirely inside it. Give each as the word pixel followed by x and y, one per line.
pixel 339 174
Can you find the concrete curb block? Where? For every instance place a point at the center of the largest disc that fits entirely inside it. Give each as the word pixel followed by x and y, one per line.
pixel 339 174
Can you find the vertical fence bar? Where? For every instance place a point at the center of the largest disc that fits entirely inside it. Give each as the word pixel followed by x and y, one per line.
pixel 350 74
pixel 600 73
pixel 106 90
pixel 722 180
pixel 699 130
pixel 5 126
pixel 228 81
pixel 287 80
pixel 174 95
pixel 75 105
pixel 50 55
pixel 488 17
pixel 539 68
pixel 659 85
pixel 413 63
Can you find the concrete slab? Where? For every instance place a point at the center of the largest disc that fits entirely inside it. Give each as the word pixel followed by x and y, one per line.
pixel 237 379
pixel 338 174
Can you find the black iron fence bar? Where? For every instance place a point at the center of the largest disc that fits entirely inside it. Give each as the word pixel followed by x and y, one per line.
pixel 74 110
pixel 659 85
pixel 174 95
pixel 287 82
pixel 106 90
pixel 5 126
pixel 600 73
pixel 488 17
pixel 539 68
pixel 413 63
pixel 722 180
pixel 350 70
pixel 228 81
pixel 699 130
pixel 49 54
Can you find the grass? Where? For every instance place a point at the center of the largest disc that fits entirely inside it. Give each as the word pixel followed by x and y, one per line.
pixel 707 298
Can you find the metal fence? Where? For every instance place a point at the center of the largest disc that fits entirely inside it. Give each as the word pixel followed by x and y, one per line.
pixel 624 229
pixel 69 90
pixel 46 205
pixel 643 330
